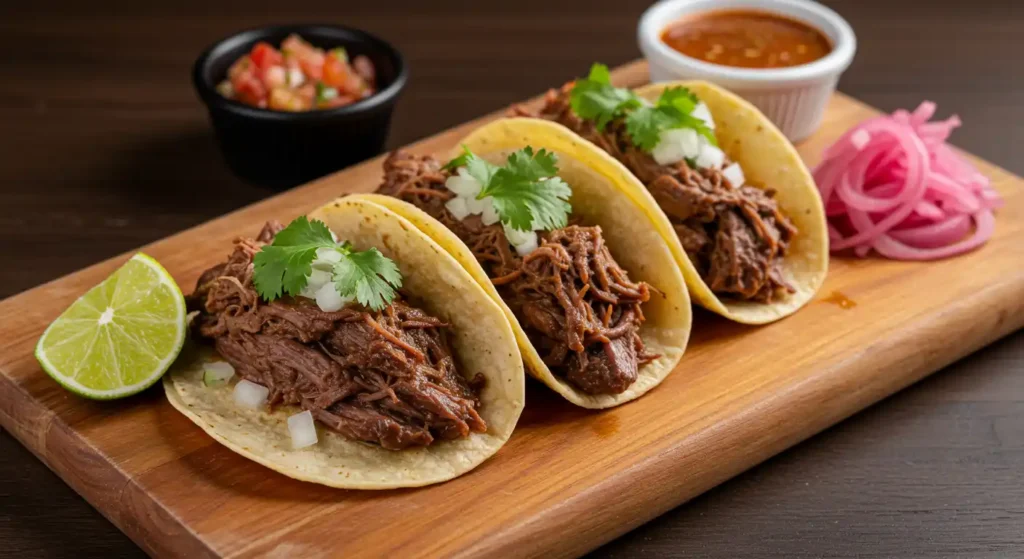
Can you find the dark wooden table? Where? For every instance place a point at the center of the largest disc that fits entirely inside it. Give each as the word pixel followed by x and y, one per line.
pixel 104 148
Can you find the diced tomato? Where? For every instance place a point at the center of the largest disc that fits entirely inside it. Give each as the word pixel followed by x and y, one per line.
pixel 339 75
pixel 335 72
pixel 264 55
pixel 307 92
pixel 310 59
pixel 313 68
pixel 275 76
pixel 249 89
pixel 289 79
pixel 284 99
pixel 240 65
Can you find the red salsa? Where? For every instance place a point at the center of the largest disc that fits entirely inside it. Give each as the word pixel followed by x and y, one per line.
pixel 298 77
pixel 747 39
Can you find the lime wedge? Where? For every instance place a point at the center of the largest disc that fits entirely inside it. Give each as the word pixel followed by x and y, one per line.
pixel 120 337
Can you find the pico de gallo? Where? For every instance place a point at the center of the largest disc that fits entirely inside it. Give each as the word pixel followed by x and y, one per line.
pixel 298 77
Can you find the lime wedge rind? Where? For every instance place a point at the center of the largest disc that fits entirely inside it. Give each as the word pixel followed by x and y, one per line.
pixel 101 335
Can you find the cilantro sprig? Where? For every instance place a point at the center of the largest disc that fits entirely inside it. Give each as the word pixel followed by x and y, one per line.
pixel 526 192
pixel 283 266
pixel 595 98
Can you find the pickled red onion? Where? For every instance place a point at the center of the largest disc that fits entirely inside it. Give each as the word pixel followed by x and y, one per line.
pixel 892 184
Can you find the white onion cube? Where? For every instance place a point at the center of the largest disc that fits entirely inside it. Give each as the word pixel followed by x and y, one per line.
pixel 250 395
pixel 474 206
pixel 457 207
pixel 515 236
pixel 296 78
pixel 302 430
pixel 327 257
pixel 489 216
pixel 463 184
pixel 734 174
pixel 328 298
pixel 702 112
pixel 318 277
pixel 710 157
pixel 217 373
pixel 527 246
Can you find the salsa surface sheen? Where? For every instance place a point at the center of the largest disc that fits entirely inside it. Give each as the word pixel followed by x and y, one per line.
pixel 746 39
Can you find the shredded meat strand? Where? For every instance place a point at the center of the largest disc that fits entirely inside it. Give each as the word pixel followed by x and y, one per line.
pixel 578 306
pixel 384 377
pixel 736 237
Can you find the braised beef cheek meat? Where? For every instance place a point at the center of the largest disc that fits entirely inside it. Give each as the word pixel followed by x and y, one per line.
pixel 736 237
pixel 577 305
pixel 383 377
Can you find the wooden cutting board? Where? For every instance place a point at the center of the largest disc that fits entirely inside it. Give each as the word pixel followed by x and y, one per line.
pixel 569 479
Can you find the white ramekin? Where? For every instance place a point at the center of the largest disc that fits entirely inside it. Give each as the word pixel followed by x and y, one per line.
pixel 794 98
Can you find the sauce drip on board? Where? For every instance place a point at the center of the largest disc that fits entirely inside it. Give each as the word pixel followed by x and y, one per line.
pixel 747 39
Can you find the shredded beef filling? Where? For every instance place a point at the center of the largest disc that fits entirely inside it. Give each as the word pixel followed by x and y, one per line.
pixel 736 237
pixel 578 306
pixel 383 377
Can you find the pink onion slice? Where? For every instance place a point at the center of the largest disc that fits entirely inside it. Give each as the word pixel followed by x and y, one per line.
pixel 892 184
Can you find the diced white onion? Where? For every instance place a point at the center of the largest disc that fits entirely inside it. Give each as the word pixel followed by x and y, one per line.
pixel 489 216
pixel 527 246
pixel 457 207
pixel 710 157
pixel 217 373
pixel 250 395
pixel 318 277
pixel 302 430
pixel 463 184
pixel 734 174
pixel 474 206
pixel 327 257
pixel 702 112
pixel 517 237
pixel 328 298
pixel 296 78
pixel 666 153
pixel 676 144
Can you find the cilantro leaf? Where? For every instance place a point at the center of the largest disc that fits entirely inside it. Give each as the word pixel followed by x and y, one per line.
pixel 645 125
pixel 681 98
pixel 529 166
pixel 282 266
pixel 478 168
pixel 368 276
pixel 595 98
pixel 325 93
pixel 525 194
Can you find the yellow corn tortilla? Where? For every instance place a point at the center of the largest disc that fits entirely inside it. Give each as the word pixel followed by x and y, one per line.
pixel 482 342
pixel 605 194
pixel 768 161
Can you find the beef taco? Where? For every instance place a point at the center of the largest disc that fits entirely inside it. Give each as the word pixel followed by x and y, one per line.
pixel 579 264
pixel 371 363
pixel 741 201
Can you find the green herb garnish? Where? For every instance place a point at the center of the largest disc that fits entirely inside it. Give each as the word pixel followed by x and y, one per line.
pixel 595 98
pixel 526 192
pixel 324 93
pixel 341 54
pixel 282 267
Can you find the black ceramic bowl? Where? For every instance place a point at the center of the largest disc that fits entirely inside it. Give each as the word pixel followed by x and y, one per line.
pixel 283 149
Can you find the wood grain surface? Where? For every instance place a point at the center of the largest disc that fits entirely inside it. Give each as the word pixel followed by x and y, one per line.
pixel 106 149
pixel 566 481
